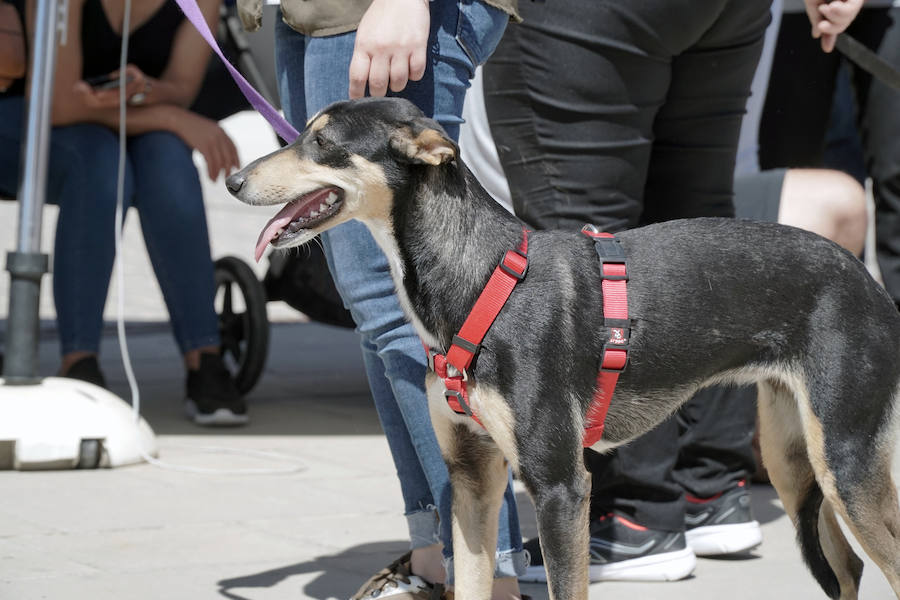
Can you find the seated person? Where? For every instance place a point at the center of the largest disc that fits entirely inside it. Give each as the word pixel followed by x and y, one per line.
pixel 166 62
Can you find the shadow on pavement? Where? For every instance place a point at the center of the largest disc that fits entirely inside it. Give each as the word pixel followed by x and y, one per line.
pixel 337 578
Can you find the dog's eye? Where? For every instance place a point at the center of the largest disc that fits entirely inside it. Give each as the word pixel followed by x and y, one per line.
pixel 320 140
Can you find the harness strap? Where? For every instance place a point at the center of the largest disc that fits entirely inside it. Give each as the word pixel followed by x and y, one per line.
pixel 506 275
pixel 614 274
pixel 453 368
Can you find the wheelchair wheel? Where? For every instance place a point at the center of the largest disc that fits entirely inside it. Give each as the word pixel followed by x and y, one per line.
pixel 243 324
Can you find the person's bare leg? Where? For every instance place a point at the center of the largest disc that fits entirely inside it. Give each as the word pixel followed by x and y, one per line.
pixel 506 588
pixel 827 202
pixel 192 357
pixel 427 563
pixel 71 358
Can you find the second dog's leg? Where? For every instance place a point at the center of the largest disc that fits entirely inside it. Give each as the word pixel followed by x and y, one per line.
pixel 869 507
pixel 478 475
pixel 837 550
pixel 830 558
pixel 874 518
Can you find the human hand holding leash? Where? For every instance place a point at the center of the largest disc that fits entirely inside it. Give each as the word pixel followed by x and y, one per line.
pixel 391 44
pixel 829 19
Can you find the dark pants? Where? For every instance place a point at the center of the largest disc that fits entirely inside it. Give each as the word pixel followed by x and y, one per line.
pixel 620 114
pixel 798 106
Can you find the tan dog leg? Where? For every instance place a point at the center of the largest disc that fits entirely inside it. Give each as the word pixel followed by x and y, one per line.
pixel 873 516
pixel 478 474
pixel 838 552
pixel 784 450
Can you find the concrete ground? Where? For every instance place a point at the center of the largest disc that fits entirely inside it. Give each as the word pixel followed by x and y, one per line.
pixel 316 529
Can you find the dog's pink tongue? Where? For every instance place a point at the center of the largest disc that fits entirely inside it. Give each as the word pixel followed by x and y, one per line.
pixel 275 224
pixel 291 211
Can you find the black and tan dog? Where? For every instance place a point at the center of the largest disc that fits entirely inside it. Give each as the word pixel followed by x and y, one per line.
pixel 710 301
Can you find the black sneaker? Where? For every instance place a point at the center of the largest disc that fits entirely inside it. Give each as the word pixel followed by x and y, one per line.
pixel 722 524
pixel 212 397
pixel 87 369
pixel 622 550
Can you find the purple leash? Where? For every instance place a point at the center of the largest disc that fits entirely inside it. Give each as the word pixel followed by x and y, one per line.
pixel 284 129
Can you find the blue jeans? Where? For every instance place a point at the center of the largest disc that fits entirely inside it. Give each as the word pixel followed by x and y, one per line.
pixel 161 182
pixel 312 73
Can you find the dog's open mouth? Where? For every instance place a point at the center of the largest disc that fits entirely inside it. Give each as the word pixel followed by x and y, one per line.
pixel 298 215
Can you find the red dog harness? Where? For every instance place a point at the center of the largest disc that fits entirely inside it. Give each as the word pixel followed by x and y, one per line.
pixel 453 367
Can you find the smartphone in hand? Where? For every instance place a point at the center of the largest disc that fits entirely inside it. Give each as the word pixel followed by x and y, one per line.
pixel 106 82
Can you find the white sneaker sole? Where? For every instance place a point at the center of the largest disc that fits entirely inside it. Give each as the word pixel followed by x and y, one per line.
pixel 713 540
pixel 669 566
pixel 222 417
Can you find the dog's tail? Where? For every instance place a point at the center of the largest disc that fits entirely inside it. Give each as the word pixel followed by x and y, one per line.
pixel 810 545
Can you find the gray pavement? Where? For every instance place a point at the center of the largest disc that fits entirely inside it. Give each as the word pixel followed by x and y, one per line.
pixel 146 532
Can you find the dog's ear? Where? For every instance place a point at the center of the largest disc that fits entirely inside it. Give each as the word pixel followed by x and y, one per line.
pixel 423 142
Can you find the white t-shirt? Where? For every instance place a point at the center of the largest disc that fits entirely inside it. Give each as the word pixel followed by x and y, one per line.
pixel 476 145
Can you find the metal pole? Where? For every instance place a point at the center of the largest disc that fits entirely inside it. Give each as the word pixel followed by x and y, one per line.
pixel 27 265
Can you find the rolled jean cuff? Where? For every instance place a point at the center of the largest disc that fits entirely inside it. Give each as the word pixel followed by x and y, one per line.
pixel 202 341
pixel 424 528
pixel 508 563
pixel 67 347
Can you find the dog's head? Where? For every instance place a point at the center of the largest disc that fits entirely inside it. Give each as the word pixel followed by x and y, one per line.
pixel 347 164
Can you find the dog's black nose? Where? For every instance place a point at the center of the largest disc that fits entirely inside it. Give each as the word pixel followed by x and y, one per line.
pixel 235 182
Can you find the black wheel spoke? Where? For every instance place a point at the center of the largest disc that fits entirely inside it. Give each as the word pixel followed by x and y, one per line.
pixel 233 346
pixel 227 305
pixel 244 334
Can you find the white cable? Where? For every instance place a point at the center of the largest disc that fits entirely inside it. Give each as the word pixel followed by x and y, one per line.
pixel 120 308
pixel 120 220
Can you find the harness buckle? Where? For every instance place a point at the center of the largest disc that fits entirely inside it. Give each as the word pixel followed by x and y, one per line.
pixel 441 367
pixel 509 266
pixel 615 350
pixel 615 356
pixel 609 249
pixel 465 344
pixel 452 395
pixel 614 277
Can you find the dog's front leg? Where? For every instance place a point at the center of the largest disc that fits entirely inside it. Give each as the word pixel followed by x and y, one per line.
pixel 560 487
pixel 478 475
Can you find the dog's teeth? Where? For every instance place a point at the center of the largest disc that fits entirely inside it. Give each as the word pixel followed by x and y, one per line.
pixel 322 208
pixel 314 213
pixel 331 199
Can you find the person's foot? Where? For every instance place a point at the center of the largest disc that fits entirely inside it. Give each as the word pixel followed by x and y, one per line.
pixel 397 582
pixel 86 369
pixel 722 524
pixel 212 397
pixel 622 550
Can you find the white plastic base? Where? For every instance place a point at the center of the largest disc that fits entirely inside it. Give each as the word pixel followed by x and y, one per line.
pixel 63 423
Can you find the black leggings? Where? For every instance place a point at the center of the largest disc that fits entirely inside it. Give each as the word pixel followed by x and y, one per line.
pixel 620 114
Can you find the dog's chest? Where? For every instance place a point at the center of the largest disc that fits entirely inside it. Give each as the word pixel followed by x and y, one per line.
pixel 385 239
